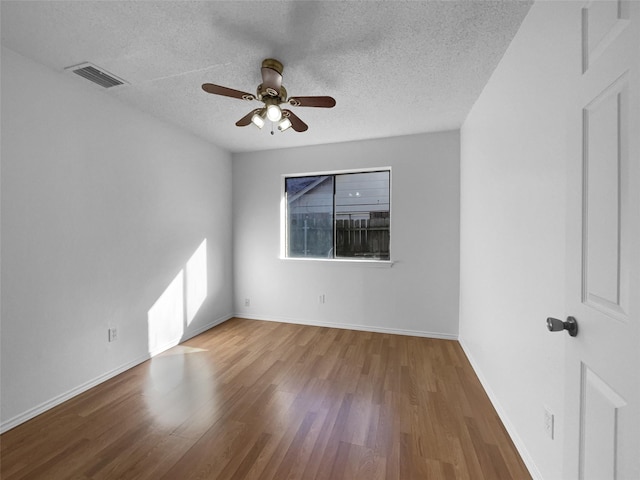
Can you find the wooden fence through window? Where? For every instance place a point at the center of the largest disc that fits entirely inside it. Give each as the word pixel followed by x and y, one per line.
pixel 363 237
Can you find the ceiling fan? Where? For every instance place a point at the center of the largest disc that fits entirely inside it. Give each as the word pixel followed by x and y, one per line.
pixel 272 93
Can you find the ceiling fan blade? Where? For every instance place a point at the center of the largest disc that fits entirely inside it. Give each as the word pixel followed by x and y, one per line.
pixel 227 92
pixel 297 124
pixel 324 102
pixel 246 120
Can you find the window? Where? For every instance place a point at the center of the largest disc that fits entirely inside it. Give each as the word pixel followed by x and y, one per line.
pixel 339 215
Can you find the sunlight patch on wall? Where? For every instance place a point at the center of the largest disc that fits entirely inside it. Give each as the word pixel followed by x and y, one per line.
pixel 165 317
pixel 196 287
pixel 179 304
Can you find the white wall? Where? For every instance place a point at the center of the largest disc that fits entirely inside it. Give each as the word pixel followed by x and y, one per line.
pixel 512 229
pixel 102 207
pixel 418 295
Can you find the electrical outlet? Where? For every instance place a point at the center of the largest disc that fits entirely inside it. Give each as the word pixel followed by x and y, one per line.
pixel 321 298
pixel 548 422
pixel 247 302
pixel 113 334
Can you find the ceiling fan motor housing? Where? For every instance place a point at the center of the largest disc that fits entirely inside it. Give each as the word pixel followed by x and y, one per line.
pixel 271 85
pixel 273 64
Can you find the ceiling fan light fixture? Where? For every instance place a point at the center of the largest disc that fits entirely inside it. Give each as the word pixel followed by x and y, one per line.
pixel 258 118
pixel 274 113
pixel 284 124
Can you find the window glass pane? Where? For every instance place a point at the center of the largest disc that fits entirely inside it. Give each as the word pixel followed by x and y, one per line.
pixel 310 216
pixel 362 215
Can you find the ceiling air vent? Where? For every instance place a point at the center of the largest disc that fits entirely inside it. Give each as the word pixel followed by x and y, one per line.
pixel 96 75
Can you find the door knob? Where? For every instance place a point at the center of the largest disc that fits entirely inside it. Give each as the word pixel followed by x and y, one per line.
pixel 555 325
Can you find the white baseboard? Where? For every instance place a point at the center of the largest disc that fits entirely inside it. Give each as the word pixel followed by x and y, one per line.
pixel 208 326
pixel 188 335
pixel 350 326
pixel 49 404
pixel 511 430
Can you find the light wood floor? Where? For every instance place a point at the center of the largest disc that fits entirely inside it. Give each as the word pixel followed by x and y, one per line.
pixel 263 400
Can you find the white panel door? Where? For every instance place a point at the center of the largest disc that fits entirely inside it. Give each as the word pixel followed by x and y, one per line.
pixel 602 399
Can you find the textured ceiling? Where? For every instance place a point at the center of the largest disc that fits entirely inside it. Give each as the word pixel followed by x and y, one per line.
pixel 394 68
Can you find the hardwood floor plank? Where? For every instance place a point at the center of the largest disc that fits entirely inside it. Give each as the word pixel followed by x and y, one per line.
pixel 295 447
pixel 340 462
pixel 276 423
pixel 202 418
pixel 317 461
pixel 252 400
pixel 209 455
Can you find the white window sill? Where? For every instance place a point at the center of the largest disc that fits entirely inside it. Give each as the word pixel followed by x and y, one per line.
pixel 341 261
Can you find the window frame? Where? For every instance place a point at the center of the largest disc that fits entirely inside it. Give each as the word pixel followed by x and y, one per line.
pixel 341 260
